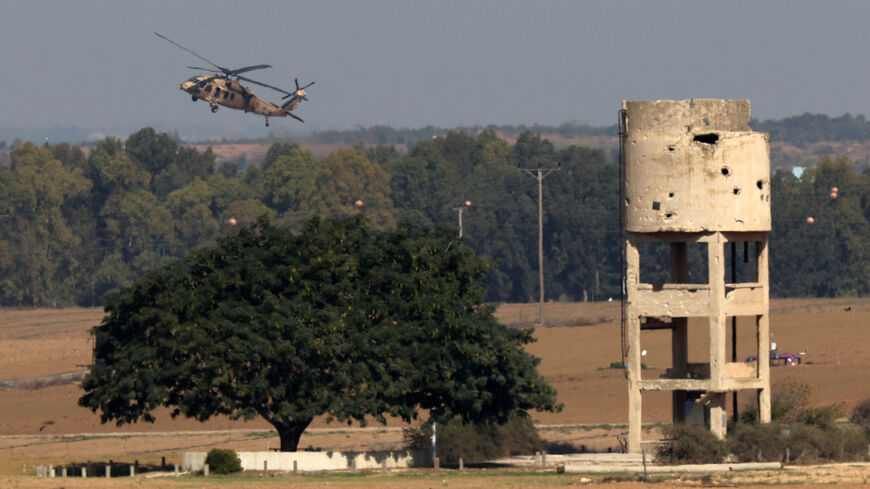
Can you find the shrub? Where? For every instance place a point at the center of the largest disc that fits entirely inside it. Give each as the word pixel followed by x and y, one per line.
pixel 861 415
pixel 788 399
pixel 823 417
pixel 757 442
pixel 478 442
pixel 812 444
pixel 223 461
pixel 690 444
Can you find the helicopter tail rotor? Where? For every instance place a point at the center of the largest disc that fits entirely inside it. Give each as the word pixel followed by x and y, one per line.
pixel 300 91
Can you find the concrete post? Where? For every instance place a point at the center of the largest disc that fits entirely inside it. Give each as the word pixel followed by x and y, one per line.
pixel 718 415
pixel 84 472
pixel 109 471
pixel 133 470
pixel 205 470
pixel 679 331
pixel 63 472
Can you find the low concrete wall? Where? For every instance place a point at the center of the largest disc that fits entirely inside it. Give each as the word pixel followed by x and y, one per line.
pixel 317 461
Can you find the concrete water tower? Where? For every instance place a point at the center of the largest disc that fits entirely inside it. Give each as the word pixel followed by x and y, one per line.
pixel 695 190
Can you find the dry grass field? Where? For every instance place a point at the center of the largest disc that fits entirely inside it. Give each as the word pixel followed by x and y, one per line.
pixel 577 346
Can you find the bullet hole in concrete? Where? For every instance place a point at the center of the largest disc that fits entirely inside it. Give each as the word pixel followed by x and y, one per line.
pixel 670 195
pixel 726 171
pixel 656 206
pixel 736 190
pixel 669 215
pixel 710 138
pixel 627 201
pixel 706 122
pixel 671 147
pixel 759 184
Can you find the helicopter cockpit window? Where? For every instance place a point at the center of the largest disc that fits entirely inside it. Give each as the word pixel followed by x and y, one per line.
pixel 193 78
pixel 201 84
pixel 232 96
pixel 208 88
pixel 217 91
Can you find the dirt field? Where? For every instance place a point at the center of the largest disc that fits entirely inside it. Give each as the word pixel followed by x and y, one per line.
pixel 582 340
pixel 807 478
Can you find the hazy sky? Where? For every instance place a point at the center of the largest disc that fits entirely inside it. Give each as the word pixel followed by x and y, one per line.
pixel 97 64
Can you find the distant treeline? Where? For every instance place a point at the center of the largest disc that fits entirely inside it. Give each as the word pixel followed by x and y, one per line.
pixel 75 226
pixel 376 135
pixel 797 130
pixel 812 128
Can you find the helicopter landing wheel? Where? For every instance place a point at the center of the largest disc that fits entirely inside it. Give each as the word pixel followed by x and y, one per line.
pixel 194 98
pixel 214 108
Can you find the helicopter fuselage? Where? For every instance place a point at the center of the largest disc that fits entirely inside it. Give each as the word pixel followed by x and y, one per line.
pixel 217 90
pixel 223 88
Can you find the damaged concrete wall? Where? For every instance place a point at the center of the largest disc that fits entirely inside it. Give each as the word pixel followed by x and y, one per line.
pixel 694 166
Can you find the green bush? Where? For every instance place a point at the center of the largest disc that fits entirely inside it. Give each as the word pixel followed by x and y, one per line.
pixel 478 442
pixel 223 461
pixel 690 444
pixel 812 444
pixel 861 415
pixel 757 442
pixel 823 417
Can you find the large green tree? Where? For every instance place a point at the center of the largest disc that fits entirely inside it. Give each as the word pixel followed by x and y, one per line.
pixel 337 319
pixel 37 197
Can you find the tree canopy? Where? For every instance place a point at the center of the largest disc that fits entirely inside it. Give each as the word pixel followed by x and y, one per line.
pixel 337 319
pixel 75 225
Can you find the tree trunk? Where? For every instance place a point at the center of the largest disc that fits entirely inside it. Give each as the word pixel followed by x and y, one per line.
pixel 290 433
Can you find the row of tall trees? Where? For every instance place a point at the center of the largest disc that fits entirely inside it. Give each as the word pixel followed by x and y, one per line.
pixel 75 225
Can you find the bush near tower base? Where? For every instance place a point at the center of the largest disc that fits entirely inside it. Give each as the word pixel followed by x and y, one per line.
pixel 690 444
pixel 223 461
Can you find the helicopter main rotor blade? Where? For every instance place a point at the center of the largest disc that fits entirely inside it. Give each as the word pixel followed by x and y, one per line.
pixel 264 85
pixel 291 114
pixel 249 68
pixel 204 69
pixel 221 68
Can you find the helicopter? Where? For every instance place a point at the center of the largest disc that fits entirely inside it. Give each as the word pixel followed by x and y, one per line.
pixel 222 87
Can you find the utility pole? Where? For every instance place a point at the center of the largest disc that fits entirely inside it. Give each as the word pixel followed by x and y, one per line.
pixel 459 208
pixel 540 173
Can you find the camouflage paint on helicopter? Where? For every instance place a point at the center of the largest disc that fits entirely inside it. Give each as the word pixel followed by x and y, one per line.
pixel 223 88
